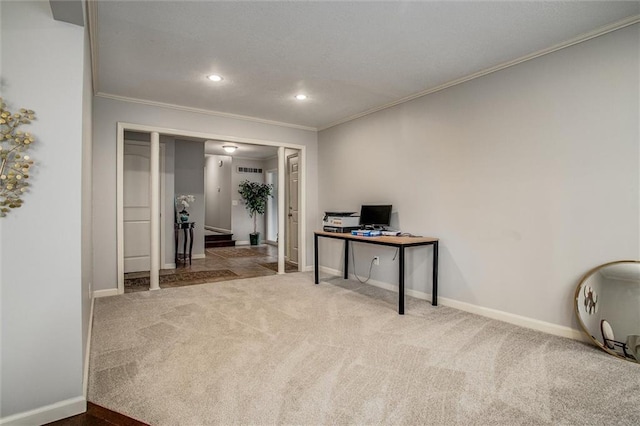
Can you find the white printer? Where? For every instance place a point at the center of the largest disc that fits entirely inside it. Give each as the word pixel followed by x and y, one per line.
pixel 340 221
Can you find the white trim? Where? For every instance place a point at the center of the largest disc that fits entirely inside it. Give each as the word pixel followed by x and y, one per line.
pixel 106 293
pixel 302 217
pixel 243 243
pixel 154 201
pixel 48 413
pixel 203 111
pixel 543 326
pixel 283 185
pixel 169 266
pixel 119 207
pixel 87 353
pixel 581 38
pixel 202 135
pixel 199 256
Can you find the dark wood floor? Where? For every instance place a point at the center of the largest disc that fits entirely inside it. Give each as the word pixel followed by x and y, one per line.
pixel 97 415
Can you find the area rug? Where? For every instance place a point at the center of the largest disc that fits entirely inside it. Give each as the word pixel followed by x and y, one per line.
pixel 288 266
pixel 228 253
pixel 179 279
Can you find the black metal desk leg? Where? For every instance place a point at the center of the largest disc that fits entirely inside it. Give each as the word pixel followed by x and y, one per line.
pixel 315 257
pixel 434 291
pixel 346 259
pixel 401 282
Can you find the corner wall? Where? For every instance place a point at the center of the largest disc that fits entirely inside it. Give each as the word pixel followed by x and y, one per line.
pixel 529 176
pixel 43 303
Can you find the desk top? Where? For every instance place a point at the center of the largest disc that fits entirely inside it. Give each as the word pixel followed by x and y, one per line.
pixel 383 239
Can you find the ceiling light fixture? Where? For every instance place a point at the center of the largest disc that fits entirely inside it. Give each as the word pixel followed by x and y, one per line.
pixel 301 97
pixel 229 148
pixel 215 77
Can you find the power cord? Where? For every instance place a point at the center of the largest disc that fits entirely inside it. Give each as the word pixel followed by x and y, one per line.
pixel 353 260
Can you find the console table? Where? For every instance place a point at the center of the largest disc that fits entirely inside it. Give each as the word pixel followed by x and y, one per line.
pixel 399 242
pixel 187 228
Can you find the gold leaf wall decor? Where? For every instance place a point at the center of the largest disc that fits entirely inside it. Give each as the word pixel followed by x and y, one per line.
pixel 14 164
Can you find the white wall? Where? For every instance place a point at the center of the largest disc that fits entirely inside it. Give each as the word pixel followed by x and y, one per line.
pixel 529 176
pixel 621 307
pixel 189 180
pixel 217 188
pixel 43 308
pixel 108 112
pixel 241 223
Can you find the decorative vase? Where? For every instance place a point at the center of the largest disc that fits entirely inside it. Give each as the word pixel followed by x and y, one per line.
pixel 184 216
pixel 254 238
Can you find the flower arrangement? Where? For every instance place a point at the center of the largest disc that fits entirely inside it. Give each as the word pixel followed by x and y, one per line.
pixel 182 202
pixel 14 166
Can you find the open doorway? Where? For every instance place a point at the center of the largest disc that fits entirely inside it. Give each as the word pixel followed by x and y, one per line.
pixel 238 164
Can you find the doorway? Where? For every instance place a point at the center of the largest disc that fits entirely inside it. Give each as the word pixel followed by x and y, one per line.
pixel 281 159
pixel 293 207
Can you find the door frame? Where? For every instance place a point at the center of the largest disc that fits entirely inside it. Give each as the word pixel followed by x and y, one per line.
pixel 287 202
pixel 122 126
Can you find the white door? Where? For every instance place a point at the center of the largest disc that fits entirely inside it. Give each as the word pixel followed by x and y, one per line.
pixel 137 211
pixel 292 216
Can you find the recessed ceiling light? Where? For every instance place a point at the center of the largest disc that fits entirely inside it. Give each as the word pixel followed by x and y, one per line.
pixel 215 77
pixel 229 148
pixel 301 97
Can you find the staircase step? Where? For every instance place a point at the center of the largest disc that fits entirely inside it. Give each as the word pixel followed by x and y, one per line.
pixel 218 237
pixel 219 243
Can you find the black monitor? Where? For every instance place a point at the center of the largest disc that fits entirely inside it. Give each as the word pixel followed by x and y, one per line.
pixel 375 216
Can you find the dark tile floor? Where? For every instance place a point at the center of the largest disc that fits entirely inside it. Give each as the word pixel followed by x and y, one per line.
pixel 220 264
pixel 98 416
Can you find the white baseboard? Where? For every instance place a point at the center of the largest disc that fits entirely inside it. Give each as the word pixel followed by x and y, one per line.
pixel 169 266
pixel 242 243
pixel 198 256
pixel 87 353
pixel 106 293
pixel 545 327
pixel 47 414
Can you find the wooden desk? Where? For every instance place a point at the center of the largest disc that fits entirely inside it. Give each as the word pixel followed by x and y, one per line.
pixel 187 228
pixel 399 242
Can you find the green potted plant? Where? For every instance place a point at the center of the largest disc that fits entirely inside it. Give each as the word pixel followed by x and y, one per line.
pixel 255 196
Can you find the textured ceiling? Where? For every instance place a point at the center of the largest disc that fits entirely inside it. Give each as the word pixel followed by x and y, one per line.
pixel 348 57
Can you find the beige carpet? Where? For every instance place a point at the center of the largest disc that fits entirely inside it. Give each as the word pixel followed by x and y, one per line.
pixel 281 350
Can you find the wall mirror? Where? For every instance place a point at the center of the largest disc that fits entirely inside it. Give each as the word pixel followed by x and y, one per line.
pixel 607 303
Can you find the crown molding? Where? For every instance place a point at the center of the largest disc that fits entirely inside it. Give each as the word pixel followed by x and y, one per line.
pixel 204 111
pixel 579 39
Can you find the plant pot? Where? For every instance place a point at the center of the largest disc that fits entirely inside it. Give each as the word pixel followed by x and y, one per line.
pixel 184 216
pixel 254 238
